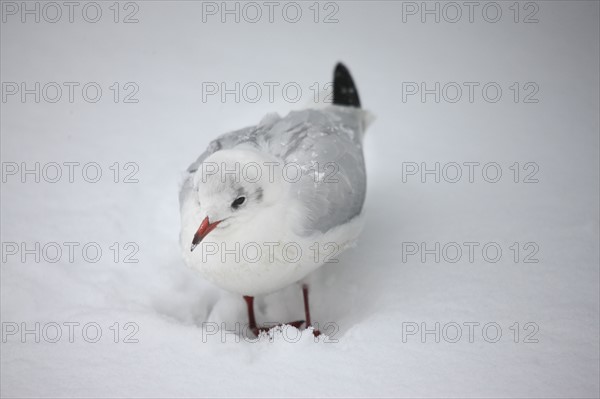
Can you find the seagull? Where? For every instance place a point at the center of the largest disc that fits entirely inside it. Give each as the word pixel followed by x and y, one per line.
pixel 266 205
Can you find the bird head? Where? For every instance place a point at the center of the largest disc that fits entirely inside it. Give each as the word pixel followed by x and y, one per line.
pixel 234 187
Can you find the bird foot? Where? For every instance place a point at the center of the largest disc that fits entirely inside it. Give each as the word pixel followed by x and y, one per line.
pixel 316 332
pixel 257 330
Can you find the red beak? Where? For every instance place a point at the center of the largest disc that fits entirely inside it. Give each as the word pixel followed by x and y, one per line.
pixel 205 228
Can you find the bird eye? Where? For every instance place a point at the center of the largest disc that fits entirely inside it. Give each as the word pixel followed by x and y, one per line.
pixel 238 201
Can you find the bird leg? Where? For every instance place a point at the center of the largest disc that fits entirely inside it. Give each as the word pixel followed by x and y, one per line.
pixel 252 320
pixel 307 309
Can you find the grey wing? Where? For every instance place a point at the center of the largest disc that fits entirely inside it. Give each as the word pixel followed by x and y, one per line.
pixel 327 144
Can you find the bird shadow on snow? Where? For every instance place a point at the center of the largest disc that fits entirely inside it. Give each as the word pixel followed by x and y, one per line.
pixel 347 293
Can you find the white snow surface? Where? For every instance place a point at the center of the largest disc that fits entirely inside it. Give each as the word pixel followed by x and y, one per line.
pixel 372 294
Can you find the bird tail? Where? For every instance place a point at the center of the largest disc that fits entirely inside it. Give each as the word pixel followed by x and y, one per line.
pixel 344 90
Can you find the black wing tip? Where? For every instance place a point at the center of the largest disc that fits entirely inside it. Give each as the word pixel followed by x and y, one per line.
pixel 344 89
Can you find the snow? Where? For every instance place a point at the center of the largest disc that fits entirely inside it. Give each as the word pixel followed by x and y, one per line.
pixel 372 295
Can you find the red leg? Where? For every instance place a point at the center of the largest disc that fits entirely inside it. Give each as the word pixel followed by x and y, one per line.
pixel 307 309
pixel 251 320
